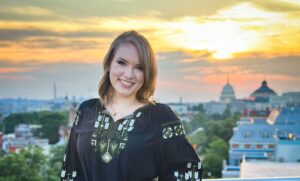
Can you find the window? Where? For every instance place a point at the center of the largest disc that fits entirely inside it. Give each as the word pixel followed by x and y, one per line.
pixel 247 146
pixel 235 146
pixel 247 134
pixel 265 134
pixel 259 146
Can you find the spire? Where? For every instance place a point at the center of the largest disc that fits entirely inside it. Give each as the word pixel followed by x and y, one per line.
pixel 54 90
pixel 227 79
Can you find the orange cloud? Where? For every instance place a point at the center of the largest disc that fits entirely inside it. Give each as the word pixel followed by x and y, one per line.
pixel 9 70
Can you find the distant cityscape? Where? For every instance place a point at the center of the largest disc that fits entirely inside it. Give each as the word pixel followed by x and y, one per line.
pixel 265 139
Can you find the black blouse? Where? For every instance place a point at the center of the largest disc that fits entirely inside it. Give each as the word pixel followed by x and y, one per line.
pixel 147 144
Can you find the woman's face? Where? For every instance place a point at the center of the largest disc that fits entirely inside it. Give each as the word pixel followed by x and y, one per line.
pixel 125 72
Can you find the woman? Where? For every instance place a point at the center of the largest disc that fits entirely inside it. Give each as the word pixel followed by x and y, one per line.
pixel 125 135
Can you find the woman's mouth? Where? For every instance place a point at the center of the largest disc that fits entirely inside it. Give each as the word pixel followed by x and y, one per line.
pixel 126 84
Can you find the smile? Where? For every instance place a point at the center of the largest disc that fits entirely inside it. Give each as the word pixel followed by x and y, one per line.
pixel 126 83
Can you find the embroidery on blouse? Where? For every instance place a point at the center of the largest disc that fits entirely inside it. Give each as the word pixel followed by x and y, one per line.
pixel 110 137
pixel 192 173
pixel 172 129
pixel 67 176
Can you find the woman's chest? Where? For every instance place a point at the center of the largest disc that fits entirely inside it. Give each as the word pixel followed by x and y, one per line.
pixel 127 140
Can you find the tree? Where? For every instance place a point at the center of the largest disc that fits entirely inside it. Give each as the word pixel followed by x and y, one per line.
pixel 199 139
pixel 51 121
pixel 55 162
pixel 215 154
pixel 31 164
pixel 24 166
pixel 13 120
pixel 198 121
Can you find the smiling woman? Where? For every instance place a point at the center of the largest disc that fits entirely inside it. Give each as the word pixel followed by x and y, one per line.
pixel 124 134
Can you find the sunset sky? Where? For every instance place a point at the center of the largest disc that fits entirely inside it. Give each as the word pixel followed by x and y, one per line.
pixel 198 44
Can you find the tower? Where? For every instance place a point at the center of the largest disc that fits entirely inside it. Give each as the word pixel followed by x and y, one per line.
pixel 54 90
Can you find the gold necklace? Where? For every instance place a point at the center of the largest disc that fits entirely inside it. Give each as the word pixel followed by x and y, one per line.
pixel 114 113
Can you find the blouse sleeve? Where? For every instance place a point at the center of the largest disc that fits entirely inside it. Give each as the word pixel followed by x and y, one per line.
pixel 179 159
pixel 71 168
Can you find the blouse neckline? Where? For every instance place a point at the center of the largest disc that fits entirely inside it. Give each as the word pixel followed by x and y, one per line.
pixel 136 113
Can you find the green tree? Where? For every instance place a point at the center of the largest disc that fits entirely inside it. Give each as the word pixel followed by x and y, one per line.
pixel 12 120
pixel 51 121
pixel 55 161
pixel 215 154
pixel 24 166
pixel 199 120
pixel 199 139
pixel 31 164
pixel 212 142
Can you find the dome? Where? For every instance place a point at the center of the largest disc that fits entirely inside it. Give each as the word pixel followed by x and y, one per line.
pixel 263 91
pixel 227 94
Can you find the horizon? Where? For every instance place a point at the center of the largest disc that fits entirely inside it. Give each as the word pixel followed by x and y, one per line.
pixel 179 99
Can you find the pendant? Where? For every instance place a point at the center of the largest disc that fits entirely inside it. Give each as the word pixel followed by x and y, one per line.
pixel 106 157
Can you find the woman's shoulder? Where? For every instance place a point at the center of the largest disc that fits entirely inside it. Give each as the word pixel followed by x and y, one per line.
pixel 89 104
pixel 164 113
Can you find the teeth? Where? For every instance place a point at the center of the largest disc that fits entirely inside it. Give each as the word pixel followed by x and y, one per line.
pixel 125 82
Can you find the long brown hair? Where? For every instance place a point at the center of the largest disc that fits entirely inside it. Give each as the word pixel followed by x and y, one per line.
pixel 146 58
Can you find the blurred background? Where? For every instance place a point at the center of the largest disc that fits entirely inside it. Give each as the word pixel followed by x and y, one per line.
pixel 230 69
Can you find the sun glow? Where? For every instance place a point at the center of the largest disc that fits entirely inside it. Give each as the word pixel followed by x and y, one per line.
pixel 221 39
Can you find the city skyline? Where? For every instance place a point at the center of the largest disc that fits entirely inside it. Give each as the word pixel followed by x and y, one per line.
pixel 197 45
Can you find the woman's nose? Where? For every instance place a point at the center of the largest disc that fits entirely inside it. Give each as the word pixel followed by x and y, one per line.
pixel 129 72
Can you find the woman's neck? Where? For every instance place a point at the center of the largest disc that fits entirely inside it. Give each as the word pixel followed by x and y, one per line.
pixel 123 101
pixel 120 107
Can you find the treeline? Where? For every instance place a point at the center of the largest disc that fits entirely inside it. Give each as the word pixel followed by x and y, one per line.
pixel 212 141
pixel 49 123
pixel 31 164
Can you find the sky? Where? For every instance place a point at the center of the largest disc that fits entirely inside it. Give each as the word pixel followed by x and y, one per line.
pixel 199 45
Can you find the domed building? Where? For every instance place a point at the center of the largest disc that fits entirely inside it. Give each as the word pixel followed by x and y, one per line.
pixel 263 92
pixel 227 94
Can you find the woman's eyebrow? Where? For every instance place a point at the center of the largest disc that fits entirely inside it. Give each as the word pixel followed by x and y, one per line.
pixel 120 58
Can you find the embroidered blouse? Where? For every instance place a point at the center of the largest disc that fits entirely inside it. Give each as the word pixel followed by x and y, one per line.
pixel 147 144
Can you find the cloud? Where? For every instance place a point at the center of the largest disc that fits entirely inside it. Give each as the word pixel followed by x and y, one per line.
pixel 28 11
pixel 20 34
pixel 278 5
pixel 9 70
pixel 243 32
pixel 197 45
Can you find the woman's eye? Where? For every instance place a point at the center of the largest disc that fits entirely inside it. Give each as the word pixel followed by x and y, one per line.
pixel 140 68
pixel 120 62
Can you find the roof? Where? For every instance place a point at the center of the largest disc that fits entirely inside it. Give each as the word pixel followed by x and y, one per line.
pixel 268 169
pixel 264 89
pixel 253 130
pixel 257 129
pixel 227 92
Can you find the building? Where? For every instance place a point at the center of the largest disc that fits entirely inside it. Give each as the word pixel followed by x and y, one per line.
pixel 284 148
pixel 263 91
pixel 288 98
pixel 275 139
pixel 214 107
pixel 227 93
pixel 22 138
pixel 253 138
pixel 179 108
